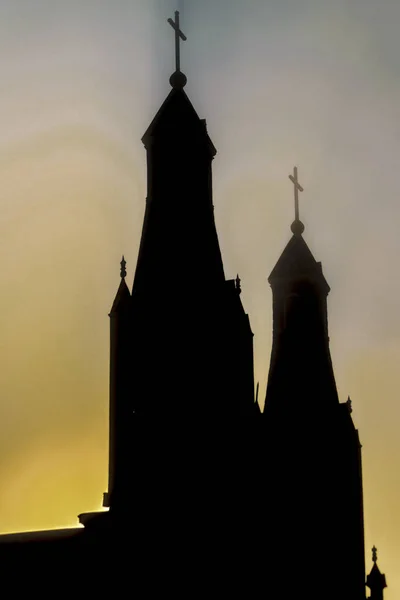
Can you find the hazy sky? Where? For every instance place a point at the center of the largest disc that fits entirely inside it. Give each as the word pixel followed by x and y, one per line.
pixel 281 82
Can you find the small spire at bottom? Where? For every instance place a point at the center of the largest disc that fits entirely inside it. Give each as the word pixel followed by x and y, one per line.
pixel 123 268
pixel 376 581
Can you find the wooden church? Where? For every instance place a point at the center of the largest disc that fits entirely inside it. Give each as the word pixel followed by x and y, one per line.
pixel 207 494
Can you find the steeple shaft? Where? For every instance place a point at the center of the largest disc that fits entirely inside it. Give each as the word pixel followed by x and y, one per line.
pixel 312 455
pixel 179 239
pixel 301 367
pixel 191 345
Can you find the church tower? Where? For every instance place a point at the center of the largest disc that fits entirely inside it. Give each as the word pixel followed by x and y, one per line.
pixel 181 342
pixel 313 453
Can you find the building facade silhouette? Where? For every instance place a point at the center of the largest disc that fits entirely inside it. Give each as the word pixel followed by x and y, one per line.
pixel 207 494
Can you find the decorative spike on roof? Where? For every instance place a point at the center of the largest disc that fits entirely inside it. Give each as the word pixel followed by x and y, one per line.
pixel 123 268
pixel 238 282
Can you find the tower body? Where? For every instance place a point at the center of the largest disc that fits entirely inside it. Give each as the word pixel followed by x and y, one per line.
pixel 313 453
pixel 181 342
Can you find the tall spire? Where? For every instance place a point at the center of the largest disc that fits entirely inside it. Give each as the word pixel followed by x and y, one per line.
pixel 181 301
pixel 178 80
pixel 300 325
pixel 179 235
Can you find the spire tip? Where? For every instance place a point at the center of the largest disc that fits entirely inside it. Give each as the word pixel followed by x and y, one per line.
pixel 123 267
pixel 238 286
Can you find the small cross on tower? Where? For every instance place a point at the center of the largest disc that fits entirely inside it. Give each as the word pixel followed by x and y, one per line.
pixel 297 225
pixel 179 35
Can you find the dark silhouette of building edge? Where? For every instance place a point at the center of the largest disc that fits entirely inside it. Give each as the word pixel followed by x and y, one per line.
pixel 207 493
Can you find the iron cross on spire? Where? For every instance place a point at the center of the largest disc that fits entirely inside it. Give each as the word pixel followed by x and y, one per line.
pixel 297 189
pixel 179 35
pixel 297 226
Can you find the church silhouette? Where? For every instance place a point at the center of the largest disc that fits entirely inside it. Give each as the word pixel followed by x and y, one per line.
pixel 207 494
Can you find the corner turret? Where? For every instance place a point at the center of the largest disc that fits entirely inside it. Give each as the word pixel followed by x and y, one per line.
pixel 120 320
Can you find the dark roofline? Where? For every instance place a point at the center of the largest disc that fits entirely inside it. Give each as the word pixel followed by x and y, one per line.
pixel 40 536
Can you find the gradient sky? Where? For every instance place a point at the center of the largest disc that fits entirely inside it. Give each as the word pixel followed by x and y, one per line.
pixel 308 82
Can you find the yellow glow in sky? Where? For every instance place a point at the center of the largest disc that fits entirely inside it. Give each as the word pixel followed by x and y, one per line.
pixel 303 82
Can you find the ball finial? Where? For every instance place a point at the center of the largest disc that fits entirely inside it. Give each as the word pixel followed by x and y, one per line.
pixel 297 227
pixel 178 80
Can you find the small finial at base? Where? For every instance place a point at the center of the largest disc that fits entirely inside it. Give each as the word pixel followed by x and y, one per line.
pixel 178 80
pixel 297 227
pixel 349 405
pixel 238 281
pixel 123 268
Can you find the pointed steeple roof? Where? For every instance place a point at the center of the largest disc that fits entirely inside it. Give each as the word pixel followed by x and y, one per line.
pixel 177 118
pixel 297 261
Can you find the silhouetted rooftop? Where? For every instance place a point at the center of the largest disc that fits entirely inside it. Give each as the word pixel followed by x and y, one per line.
pixel 40 536
pixel 297 261
pixel 177 116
